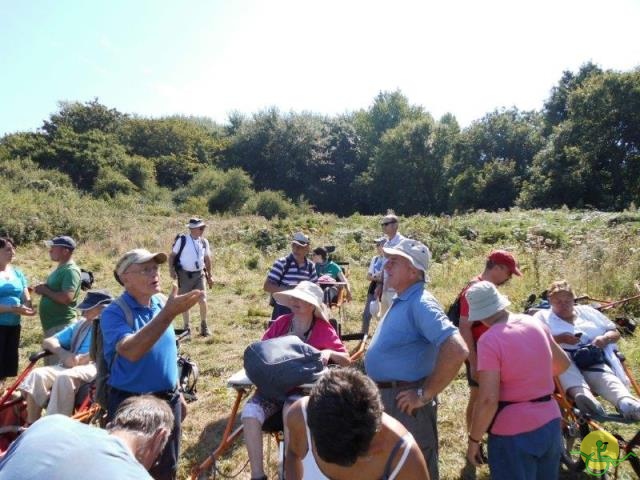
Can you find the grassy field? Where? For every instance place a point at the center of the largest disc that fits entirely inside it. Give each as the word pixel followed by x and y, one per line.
pixel 598 252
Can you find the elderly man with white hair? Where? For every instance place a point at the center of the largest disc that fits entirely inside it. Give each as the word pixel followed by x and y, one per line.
pixel 140 343
pixel 416 351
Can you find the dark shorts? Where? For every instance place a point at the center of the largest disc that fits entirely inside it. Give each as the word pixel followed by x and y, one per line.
pixel 188 281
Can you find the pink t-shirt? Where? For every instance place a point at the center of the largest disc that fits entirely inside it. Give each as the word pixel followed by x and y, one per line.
pixel 323 336
pixel 521 351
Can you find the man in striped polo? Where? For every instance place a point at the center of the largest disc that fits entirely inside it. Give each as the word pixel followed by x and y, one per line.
pixel 288 271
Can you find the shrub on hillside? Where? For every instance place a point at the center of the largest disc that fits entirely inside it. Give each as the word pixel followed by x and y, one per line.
pixel 110 183
pixel 270 204
pixel 231 193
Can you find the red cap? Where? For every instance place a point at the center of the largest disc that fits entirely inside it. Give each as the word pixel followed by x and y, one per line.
pixel 502 257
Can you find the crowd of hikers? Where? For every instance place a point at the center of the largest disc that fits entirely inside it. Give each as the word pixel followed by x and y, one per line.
pixel 382 423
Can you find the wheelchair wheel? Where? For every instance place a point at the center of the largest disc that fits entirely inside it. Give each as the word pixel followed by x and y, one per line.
pixel 573 432
pixel 632 446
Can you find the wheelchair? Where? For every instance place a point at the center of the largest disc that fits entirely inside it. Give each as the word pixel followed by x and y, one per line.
pixel 273 425
pixel 13 406
pixel 576 424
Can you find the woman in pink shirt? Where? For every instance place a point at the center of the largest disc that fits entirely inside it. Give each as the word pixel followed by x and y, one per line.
pixel 517 359
pixel 309 321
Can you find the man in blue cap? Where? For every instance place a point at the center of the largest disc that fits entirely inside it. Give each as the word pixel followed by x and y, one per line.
pixel 58 384
pixel 61 290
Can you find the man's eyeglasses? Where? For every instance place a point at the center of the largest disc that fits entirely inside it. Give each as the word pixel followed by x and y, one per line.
pixel 146 271
pixel 384 224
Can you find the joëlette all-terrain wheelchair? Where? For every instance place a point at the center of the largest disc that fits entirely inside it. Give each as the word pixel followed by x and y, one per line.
pixel 577 424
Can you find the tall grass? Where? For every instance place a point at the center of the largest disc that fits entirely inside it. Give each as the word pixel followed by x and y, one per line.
pixel 598 252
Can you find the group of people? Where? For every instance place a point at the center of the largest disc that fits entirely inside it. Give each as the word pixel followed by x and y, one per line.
pixel 381 424
pixel 136 328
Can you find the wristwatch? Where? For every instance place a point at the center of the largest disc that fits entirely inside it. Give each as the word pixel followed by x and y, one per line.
pixel 422 397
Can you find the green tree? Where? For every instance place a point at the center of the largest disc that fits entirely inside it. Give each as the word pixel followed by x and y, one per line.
pixel 593 157
pixel 556 108
pixel 506 136
pixel 406 171
pixel 82 118
pixel 231 193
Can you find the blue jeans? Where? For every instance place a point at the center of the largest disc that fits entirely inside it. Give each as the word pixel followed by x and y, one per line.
pixel 531 455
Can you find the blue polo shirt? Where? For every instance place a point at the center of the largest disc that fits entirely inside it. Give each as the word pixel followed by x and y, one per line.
pixel 66 336
pixel 406 343
pixel 157 370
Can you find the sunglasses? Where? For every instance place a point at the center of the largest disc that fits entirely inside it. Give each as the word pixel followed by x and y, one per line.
pixel 384 224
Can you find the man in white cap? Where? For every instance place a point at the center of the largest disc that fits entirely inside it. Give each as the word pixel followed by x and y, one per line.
pixel 416 351
pixel 140 343
pixel 385 292
pixel 289 271
pixel 58 384
pixel 190 264
pixel 61 290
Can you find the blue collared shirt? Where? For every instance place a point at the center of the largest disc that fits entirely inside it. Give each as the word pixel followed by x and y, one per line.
pixel 407 341
pixel 157 370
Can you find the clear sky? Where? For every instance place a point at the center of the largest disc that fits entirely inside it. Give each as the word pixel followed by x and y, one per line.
pixel 209 58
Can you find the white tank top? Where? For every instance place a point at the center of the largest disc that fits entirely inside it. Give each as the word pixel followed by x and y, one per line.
pixel 311 471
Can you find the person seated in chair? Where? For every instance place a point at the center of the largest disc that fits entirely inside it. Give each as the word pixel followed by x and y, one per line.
pixel 58 384
pixel 326 267
pixel 341 432
pixel 574 326
pixel 309 321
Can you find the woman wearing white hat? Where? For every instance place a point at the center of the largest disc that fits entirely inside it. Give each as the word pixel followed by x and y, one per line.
pixel 309 321
pixel 517 359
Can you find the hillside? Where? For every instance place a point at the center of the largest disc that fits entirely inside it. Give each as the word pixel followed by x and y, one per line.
pixel 598 252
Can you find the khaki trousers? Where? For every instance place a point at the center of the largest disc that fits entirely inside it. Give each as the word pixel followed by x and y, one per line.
pixel 57 385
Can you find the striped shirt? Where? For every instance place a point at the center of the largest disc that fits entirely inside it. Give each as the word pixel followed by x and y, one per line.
pixel 285 271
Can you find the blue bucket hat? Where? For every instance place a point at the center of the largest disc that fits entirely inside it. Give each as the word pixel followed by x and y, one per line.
pixel 95 298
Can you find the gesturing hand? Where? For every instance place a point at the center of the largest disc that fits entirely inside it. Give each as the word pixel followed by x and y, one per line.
pixel 176 304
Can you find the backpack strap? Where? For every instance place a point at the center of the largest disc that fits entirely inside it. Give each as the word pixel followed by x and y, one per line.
pixel 128 314
pixel 79 335
pixel 183 242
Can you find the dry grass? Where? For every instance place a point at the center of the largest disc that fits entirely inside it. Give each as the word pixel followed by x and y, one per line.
pixel 604 262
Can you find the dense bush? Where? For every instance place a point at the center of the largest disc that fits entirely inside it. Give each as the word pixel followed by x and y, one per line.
pixel 231 192
pixel 270 204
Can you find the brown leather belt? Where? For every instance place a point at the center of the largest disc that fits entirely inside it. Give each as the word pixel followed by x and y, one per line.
pixel 400 384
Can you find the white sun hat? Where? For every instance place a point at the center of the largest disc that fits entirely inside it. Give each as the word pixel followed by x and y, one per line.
pixel 484 300
pixel 306 291
pixel 416 252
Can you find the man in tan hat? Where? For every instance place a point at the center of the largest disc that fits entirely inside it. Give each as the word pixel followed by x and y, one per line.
pixel 190 264
pixel 416 351
pixel 289 271
pixel 140 344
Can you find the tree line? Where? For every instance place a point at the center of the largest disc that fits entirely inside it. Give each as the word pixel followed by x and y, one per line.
pixel 582 149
